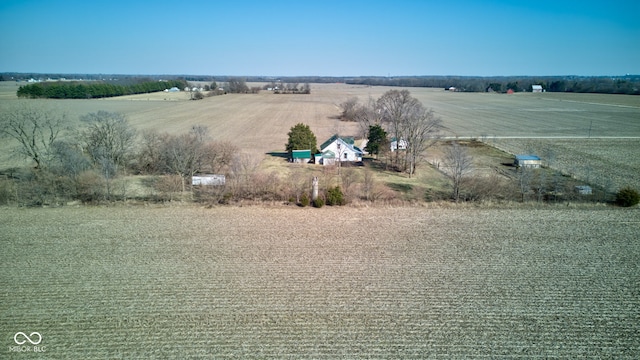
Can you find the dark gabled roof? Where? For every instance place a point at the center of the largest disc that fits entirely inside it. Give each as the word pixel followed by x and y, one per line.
pixel 349 140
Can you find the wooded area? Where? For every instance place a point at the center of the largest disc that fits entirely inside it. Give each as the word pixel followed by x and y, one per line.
pixel 88 90
pixel 628 84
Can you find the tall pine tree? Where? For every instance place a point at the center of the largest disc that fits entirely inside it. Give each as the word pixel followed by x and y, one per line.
pixel 301 138
pixel 377 140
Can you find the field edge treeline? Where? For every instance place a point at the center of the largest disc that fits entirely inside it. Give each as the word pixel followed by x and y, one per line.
pixel 94 89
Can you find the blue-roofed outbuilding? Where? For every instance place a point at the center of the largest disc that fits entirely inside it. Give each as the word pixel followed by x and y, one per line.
pixel 532 161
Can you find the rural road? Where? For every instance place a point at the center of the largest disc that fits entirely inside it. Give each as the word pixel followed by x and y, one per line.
pixel 538 137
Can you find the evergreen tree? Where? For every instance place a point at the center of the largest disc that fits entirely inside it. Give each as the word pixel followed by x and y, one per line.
pixel 377 139
pixel 301 138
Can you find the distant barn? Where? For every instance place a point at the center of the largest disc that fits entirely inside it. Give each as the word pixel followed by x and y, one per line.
pixel 528 161
pixel 536 88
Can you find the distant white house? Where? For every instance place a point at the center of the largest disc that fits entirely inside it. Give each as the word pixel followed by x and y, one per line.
pixel 173 89
pixel 536 88
pixel 397 145
pixel 338 149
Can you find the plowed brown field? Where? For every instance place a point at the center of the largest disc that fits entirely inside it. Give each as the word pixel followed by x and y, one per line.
pixel 185 282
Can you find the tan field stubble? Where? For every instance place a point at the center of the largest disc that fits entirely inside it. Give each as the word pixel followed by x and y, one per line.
pixel 182 282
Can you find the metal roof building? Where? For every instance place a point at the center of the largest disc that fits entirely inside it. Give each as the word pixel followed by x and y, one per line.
pixel 532 161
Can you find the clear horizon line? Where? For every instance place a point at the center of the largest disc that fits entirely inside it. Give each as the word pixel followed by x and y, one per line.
pixel 317 76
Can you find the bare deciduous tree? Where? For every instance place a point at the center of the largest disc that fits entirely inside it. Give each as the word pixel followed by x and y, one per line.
pixel 218 156
pixel 151 154
pixel 35 129
pixel 525 176
pixel 109 141
pixel 237 86
pixel 395 106
pixel 457 164
pixel 368 184
pixel 420 131
pixel 348 178
pixel 243 167
pixel 540 185
pixel 68 159
pixel 367 115
pixel 108 138
pixel 349 109
pixel 182 155
pixel 407 119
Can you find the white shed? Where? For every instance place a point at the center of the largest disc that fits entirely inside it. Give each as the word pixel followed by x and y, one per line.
pixel 208 179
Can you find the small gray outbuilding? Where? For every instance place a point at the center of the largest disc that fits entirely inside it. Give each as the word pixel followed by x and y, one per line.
pixel 529 161
pixel 584 190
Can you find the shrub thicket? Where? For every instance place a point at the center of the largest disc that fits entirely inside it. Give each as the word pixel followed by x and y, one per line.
pixel 304 200
pixel 335 196
pixel 627 197
pixel 319 202
pixel 6 191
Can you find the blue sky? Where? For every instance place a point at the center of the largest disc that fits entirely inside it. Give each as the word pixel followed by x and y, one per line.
pixel 324 38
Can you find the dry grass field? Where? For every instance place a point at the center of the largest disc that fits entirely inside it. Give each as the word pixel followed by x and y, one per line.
pixel 258 124
pixel 231 282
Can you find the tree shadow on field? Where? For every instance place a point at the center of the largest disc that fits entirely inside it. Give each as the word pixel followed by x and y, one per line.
pixel 279 154
pixel 403 188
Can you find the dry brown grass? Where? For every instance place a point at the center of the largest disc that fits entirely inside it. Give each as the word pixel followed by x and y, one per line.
pixel 183 282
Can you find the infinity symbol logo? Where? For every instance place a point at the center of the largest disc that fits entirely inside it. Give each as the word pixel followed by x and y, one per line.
pixel 28 338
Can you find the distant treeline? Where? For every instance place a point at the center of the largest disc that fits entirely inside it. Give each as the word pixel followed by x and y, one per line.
pixel 96 89
pixel 626 84
pixel 629 84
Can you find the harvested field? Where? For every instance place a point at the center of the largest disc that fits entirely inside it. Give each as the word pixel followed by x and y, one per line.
pixel 184 282
pixel 609 163
pixel 535 114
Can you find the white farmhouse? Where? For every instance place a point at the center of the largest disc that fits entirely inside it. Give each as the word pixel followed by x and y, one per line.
pixel 338 149
pixel 398 145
